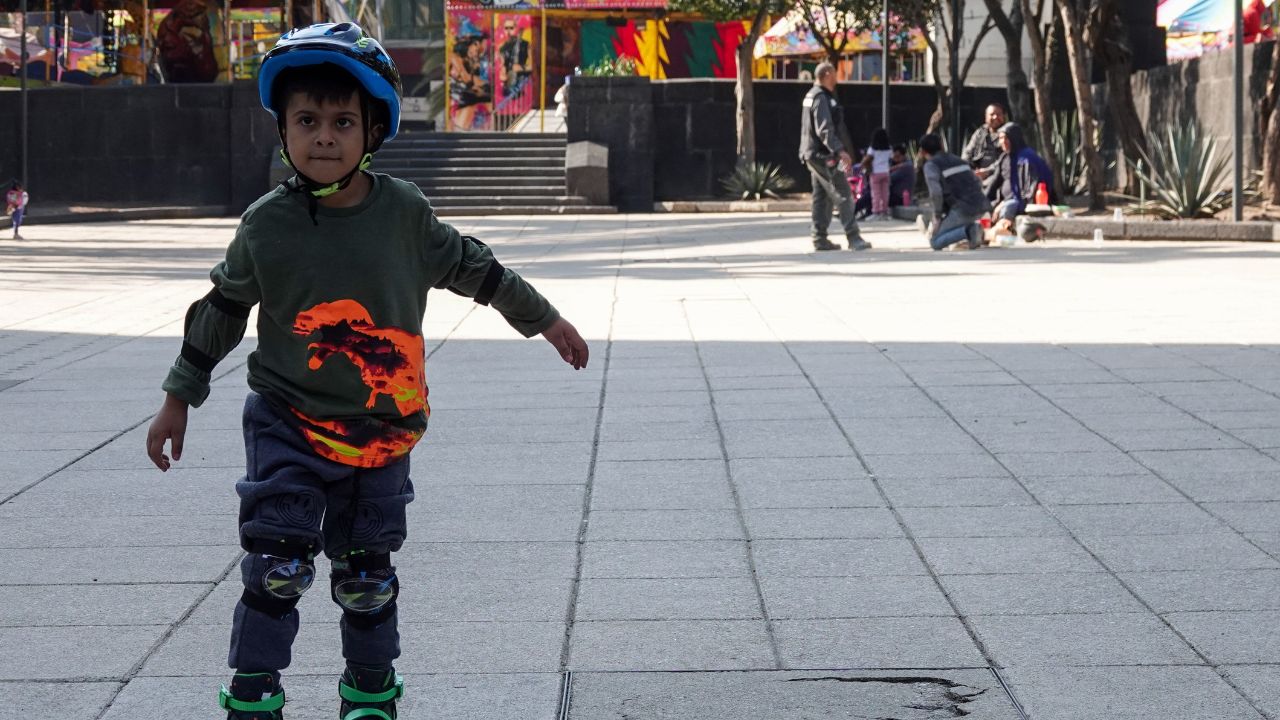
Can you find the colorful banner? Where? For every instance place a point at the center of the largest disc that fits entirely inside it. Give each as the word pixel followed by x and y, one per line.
pixel 514 5
pixel 470 70
pixel 664 49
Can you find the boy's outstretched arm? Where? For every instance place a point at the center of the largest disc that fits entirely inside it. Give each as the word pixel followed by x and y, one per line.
pixel 169 424
pixel 566 340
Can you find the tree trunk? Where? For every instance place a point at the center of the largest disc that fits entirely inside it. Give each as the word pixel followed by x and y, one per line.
pixel 1042 72
pixel 1072 22
pixel 1108 37
pixel 1010 26
pixel 744 92
pixel 1271 146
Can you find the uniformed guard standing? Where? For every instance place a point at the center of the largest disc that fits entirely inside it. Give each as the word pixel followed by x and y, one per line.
pixel 828 159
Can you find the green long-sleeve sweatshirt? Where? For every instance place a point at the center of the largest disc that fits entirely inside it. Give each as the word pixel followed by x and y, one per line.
pixel 341 302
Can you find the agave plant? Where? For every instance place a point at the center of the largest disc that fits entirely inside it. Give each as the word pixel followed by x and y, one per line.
pixel 755 181
pixel 1065 145
pixel 1185 176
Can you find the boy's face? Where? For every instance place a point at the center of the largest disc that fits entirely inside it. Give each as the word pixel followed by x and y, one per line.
pixel 325 140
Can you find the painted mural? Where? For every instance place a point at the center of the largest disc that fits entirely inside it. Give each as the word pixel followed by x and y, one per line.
pixel 664 49
pixel 492 69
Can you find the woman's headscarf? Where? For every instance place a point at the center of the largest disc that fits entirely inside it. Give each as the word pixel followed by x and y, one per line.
pixel 1017 139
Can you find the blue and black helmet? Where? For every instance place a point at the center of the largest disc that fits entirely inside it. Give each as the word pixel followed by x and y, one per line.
pixel 341 44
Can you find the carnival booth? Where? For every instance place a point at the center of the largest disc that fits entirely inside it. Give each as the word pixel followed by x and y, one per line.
pixel 794 49
pixel 1194 27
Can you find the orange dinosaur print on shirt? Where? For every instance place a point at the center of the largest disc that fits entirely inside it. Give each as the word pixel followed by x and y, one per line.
pixel 390 362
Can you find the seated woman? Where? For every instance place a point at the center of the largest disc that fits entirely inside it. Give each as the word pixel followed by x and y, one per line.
pixel 1018 173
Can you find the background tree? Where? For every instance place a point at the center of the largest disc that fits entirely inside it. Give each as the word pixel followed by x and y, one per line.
pixel 1041 34
pixel 940 12
pixel 1074 14
pixel 1010 26
pixel 1270 116
pixel 757 12
pixel 1107 35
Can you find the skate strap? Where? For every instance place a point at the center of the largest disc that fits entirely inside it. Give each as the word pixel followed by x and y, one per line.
pixel 227 701
pixel 367 713
pixel 395 692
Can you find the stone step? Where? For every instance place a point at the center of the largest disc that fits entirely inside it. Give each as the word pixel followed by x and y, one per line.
pixel 541 191
pixel 503 200
pixel 484 182
pixel 467 161
pixel 450 153
pixel 456 210
pixel 500 178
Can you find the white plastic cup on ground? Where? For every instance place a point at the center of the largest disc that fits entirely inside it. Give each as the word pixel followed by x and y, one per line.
pixel 1118 215
pixel 1097 236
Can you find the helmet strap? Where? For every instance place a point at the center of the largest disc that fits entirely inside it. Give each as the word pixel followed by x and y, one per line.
pixel 316 190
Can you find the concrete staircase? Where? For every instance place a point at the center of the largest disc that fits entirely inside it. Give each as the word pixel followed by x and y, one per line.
pixel 478 173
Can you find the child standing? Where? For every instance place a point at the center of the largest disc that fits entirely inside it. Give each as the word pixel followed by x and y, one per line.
pixel 878 162
pixel 16 205
pixel 340 261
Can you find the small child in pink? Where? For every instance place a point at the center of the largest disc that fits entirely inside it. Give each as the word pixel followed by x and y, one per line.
pixel 16 205
pixel 878 161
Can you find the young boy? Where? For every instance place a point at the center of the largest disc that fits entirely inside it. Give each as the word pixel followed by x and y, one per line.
pixel 16 205
pixel 340 261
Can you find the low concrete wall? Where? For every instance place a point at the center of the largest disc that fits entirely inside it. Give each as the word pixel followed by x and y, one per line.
pixel 204 145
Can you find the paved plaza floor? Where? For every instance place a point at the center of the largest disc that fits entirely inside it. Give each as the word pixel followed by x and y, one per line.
pixel 1033 482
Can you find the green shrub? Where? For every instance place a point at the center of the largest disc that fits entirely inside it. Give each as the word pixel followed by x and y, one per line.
pixel 755 181
pixel 1184 174
pixel 623 66
pixel 1065 145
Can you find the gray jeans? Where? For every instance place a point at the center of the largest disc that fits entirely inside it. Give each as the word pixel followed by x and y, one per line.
pixel 952 221
pixel 830 186
pixel 290 493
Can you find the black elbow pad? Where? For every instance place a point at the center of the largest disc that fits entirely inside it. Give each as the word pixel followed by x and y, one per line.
pixel 492 278
pixel 191 353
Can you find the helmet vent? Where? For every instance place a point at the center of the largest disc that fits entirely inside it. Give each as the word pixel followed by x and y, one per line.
pixel 340 27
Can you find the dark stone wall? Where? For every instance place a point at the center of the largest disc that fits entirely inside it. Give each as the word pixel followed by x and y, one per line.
pixel 690 131
pixel 617 112
pixel 170 144
pixel 1200 91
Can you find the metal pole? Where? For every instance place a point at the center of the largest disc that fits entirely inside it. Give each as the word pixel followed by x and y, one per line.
pixel 143 49
pixel 1237 191
pixel 23 68
pixel 957 26
pixel 884 69
pixel 542 74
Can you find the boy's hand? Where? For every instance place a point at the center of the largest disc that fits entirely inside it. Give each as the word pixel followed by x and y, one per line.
pixel 169 424
pixel 564 336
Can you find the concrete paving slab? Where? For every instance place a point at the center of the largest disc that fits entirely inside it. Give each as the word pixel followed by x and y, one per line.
pixel 663 495
pixel 1038 464
pixel 101 652
pixel 124 564
pixel 981 522
pixel 1136 693
pixel 1259 683
pixel 827 598
pixel 1109 489
pixel 39 604
pixel 1230 636
pixel 1247 516
pixel 910 642
pixel 837 558
pixel 1089 639
pixel 1021 555
pixel 664 559
pixel 722 598
pixel 954 492
pixel 98 532
pixel 1181 518
pixel 672 645
pixel 664 525
pixel 1205 590
pixel 925 465
pixel 1228 486
pixel 788 469
pixel 643 471
pixel 514 696
pixel 72 701
pixel 777 494
pixel 788 695
pixel 1179 552
pixel 491 559
pixel 1039 594
pixel 828 523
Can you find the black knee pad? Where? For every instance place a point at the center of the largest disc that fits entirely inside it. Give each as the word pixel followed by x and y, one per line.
pixel 365 586
pixel 282 572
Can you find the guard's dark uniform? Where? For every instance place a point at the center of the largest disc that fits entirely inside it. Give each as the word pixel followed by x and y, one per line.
pixel 821 123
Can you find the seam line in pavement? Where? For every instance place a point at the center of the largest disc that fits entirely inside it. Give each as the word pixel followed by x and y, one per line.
pixel 565 689
pixel 733 492
pixel 164 637
pixel 897 515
